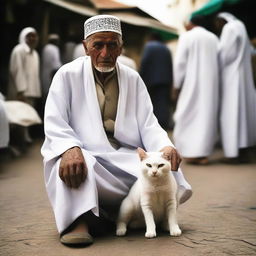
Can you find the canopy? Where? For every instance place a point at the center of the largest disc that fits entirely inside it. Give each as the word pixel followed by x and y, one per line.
pixel 213 6
pixel 124 13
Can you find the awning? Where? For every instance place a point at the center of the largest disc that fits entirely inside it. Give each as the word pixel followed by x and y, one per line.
pixel 131 18
pixel 213 6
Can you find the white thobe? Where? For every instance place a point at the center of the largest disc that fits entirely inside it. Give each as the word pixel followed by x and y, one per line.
pixel 50 62
pixel 73 118
pixel 79 51
pixel 238 95
pixel 24 72
pixel 196 74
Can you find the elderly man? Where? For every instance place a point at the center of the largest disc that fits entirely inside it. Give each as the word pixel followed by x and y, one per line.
pixel 97 113
pixel 238 97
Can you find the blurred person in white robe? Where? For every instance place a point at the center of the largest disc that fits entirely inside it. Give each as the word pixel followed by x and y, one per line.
pixel 124 59
pixel 24 74
pixel 98 112
pixel 78 51
pixel 24 69
pixel 196 84
pixel 50 62
pixel 238 95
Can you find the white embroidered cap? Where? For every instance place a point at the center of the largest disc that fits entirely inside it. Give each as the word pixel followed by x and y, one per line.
pixel 102 23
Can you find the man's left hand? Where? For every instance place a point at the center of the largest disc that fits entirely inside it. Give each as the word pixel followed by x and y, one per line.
pixel 171 154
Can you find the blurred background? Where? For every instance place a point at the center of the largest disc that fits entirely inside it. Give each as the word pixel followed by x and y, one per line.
pixel 65 19
pixel 139 18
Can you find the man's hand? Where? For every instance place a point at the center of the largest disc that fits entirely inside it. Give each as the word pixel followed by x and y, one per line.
pixel 73 169
pixel 173 156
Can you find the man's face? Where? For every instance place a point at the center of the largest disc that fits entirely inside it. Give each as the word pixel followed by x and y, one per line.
pixel 32 40
pixel 103 48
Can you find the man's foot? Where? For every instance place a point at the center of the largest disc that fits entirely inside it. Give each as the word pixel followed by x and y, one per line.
pixel 197 160
pixel 183 194
pixel 77 234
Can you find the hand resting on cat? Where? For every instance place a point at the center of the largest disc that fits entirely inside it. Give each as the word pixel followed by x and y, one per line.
pixel 152 198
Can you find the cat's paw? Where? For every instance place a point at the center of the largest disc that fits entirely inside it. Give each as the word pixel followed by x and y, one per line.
pixel 150 234
pixel 121 231
pixel 175 231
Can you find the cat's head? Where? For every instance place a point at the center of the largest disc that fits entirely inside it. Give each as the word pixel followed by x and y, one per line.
pixel 154 164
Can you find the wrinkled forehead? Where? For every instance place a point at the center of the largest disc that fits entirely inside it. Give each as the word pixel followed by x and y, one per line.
pixel 104 36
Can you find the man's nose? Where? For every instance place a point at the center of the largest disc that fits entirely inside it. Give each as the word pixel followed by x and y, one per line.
pixel 105 51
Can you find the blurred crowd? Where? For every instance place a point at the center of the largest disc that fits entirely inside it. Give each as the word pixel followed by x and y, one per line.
pixel 205 94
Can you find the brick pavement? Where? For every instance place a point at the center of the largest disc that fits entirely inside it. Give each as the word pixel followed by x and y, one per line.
pixel 220 219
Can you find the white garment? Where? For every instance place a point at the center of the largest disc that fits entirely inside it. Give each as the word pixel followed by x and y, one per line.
pixel 196 74
pixel 24 72
pixel 238 95
pixel 4 126
pixel 79 51
pixel 21 113
pixel 127 61
pixel 50 62
pixel 68 51
pixel 73 118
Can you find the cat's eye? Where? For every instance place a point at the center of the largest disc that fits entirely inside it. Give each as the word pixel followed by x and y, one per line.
pixel 160 165
pixel 149 165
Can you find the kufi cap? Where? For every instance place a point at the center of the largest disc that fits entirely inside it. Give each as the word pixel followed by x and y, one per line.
pixel 102 23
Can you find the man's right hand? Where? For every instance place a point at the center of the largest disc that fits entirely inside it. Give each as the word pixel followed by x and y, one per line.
pixel 73 169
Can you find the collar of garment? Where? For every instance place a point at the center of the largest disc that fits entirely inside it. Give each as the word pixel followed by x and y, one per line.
pixel 107 78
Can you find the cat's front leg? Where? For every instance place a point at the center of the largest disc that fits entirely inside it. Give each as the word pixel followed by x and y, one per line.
pixel 125 214
pixel 149 219
pixel 172 218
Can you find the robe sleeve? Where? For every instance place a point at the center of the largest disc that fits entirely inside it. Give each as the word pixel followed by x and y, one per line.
pixel 153 136
pixel 59 134
pixel 180 62
pixel 17 70
pixel 229 45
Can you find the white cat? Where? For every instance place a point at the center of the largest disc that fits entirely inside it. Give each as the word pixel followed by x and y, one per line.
pixel 151 199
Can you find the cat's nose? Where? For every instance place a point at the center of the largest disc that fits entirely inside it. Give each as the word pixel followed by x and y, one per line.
pixel 154 173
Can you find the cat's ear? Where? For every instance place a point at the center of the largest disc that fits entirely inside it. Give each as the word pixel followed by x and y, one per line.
pixel 142 154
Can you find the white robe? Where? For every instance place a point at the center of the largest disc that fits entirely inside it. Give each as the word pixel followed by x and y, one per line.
pixel 50 62
pixel 24 72
pixel 73 118
pixel 238 95
pixel 196 74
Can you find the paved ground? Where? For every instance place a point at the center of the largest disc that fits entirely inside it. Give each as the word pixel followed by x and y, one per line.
pixel 219 220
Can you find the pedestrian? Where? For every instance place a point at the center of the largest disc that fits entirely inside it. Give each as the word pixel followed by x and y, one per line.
pixel 156 72
pixel 197 86
pixel 24 79
pixel 50 62
pixel 124 59
pixel 97 114
pixel 68 49
pixel 238 95
pixel 24 68
pixel 78 51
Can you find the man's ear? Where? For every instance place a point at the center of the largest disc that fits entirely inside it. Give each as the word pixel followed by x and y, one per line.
pixel 142 154
pixel 85 47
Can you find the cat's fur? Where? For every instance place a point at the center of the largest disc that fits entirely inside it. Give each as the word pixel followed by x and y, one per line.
pixel 151 199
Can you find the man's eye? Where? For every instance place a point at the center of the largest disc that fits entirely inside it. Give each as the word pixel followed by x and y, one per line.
pixel 98 46
pixel 112 45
